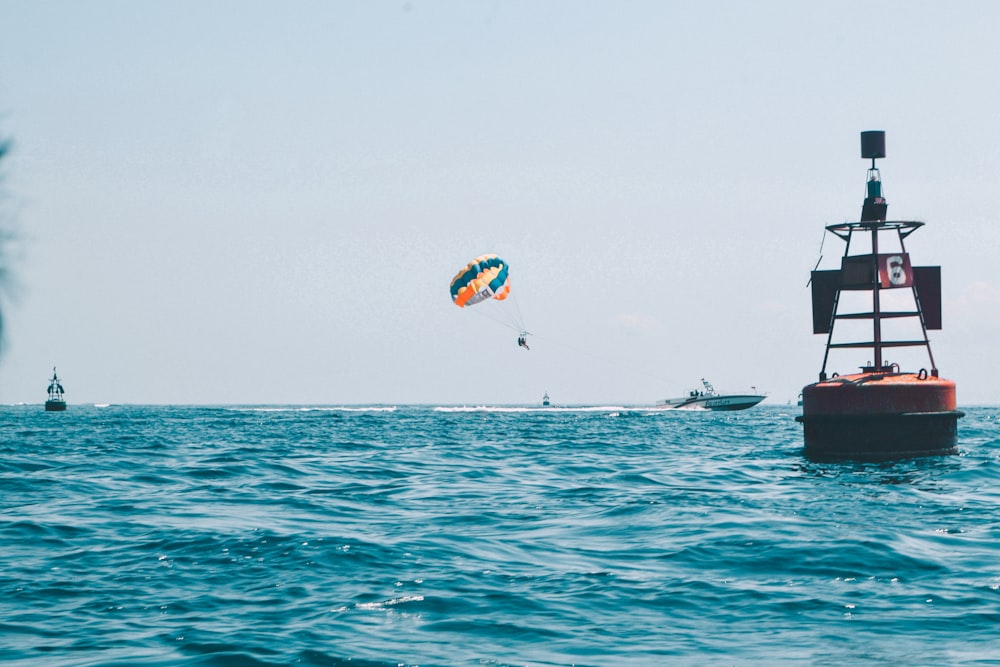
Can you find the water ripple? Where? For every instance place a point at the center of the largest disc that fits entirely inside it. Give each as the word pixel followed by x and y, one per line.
pixel 384 536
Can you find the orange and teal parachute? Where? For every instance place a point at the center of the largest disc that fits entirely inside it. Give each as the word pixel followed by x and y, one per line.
pixel 483 278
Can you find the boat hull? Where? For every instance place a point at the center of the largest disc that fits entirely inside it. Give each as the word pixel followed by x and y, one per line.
pixel 54 406
pixel 724 402
pixel 878 416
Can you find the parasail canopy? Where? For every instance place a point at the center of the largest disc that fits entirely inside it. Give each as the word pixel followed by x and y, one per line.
pixel 483 278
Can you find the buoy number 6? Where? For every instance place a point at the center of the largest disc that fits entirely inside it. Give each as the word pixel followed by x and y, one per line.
pixel 894 267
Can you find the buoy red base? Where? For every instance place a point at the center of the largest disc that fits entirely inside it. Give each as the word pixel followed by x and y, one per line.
pixel 879 416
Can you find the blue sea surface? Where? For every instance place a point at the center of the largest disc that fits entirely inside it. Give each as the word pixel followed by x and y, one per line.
pixel 386 536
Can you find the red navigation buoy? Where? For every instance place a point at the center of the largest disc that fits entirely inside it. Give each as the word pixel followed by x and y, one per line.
pixel 880 412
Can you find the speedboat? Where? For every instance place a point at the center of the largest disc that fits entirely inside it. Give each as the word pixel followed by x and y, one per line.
pixel 709 399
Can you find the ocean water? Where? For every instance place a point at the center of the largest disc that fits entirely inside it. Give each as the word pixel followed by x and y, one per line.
pixel 388 536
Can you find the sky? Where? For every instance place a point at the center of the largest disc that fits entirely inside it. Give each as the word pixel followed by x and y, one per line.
pixel 244 202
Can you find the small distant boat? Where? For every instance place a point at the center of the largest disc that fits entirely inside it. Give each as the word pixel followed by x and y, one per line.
pixel 709 399
pixel 55 402
pixel 545 400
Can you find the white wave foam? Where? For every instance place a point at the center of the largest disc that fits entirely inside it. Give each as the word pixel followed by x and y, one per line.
pixel 324 408
pixel 525 409
pixel 390 603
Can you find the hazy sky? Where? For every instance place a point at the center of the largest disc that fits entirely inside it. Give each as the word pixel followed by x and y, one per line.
pixel 265 202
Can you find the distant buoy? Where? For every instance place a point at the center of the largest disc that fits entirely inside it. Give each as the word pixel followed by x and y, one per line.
pixel 55 402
